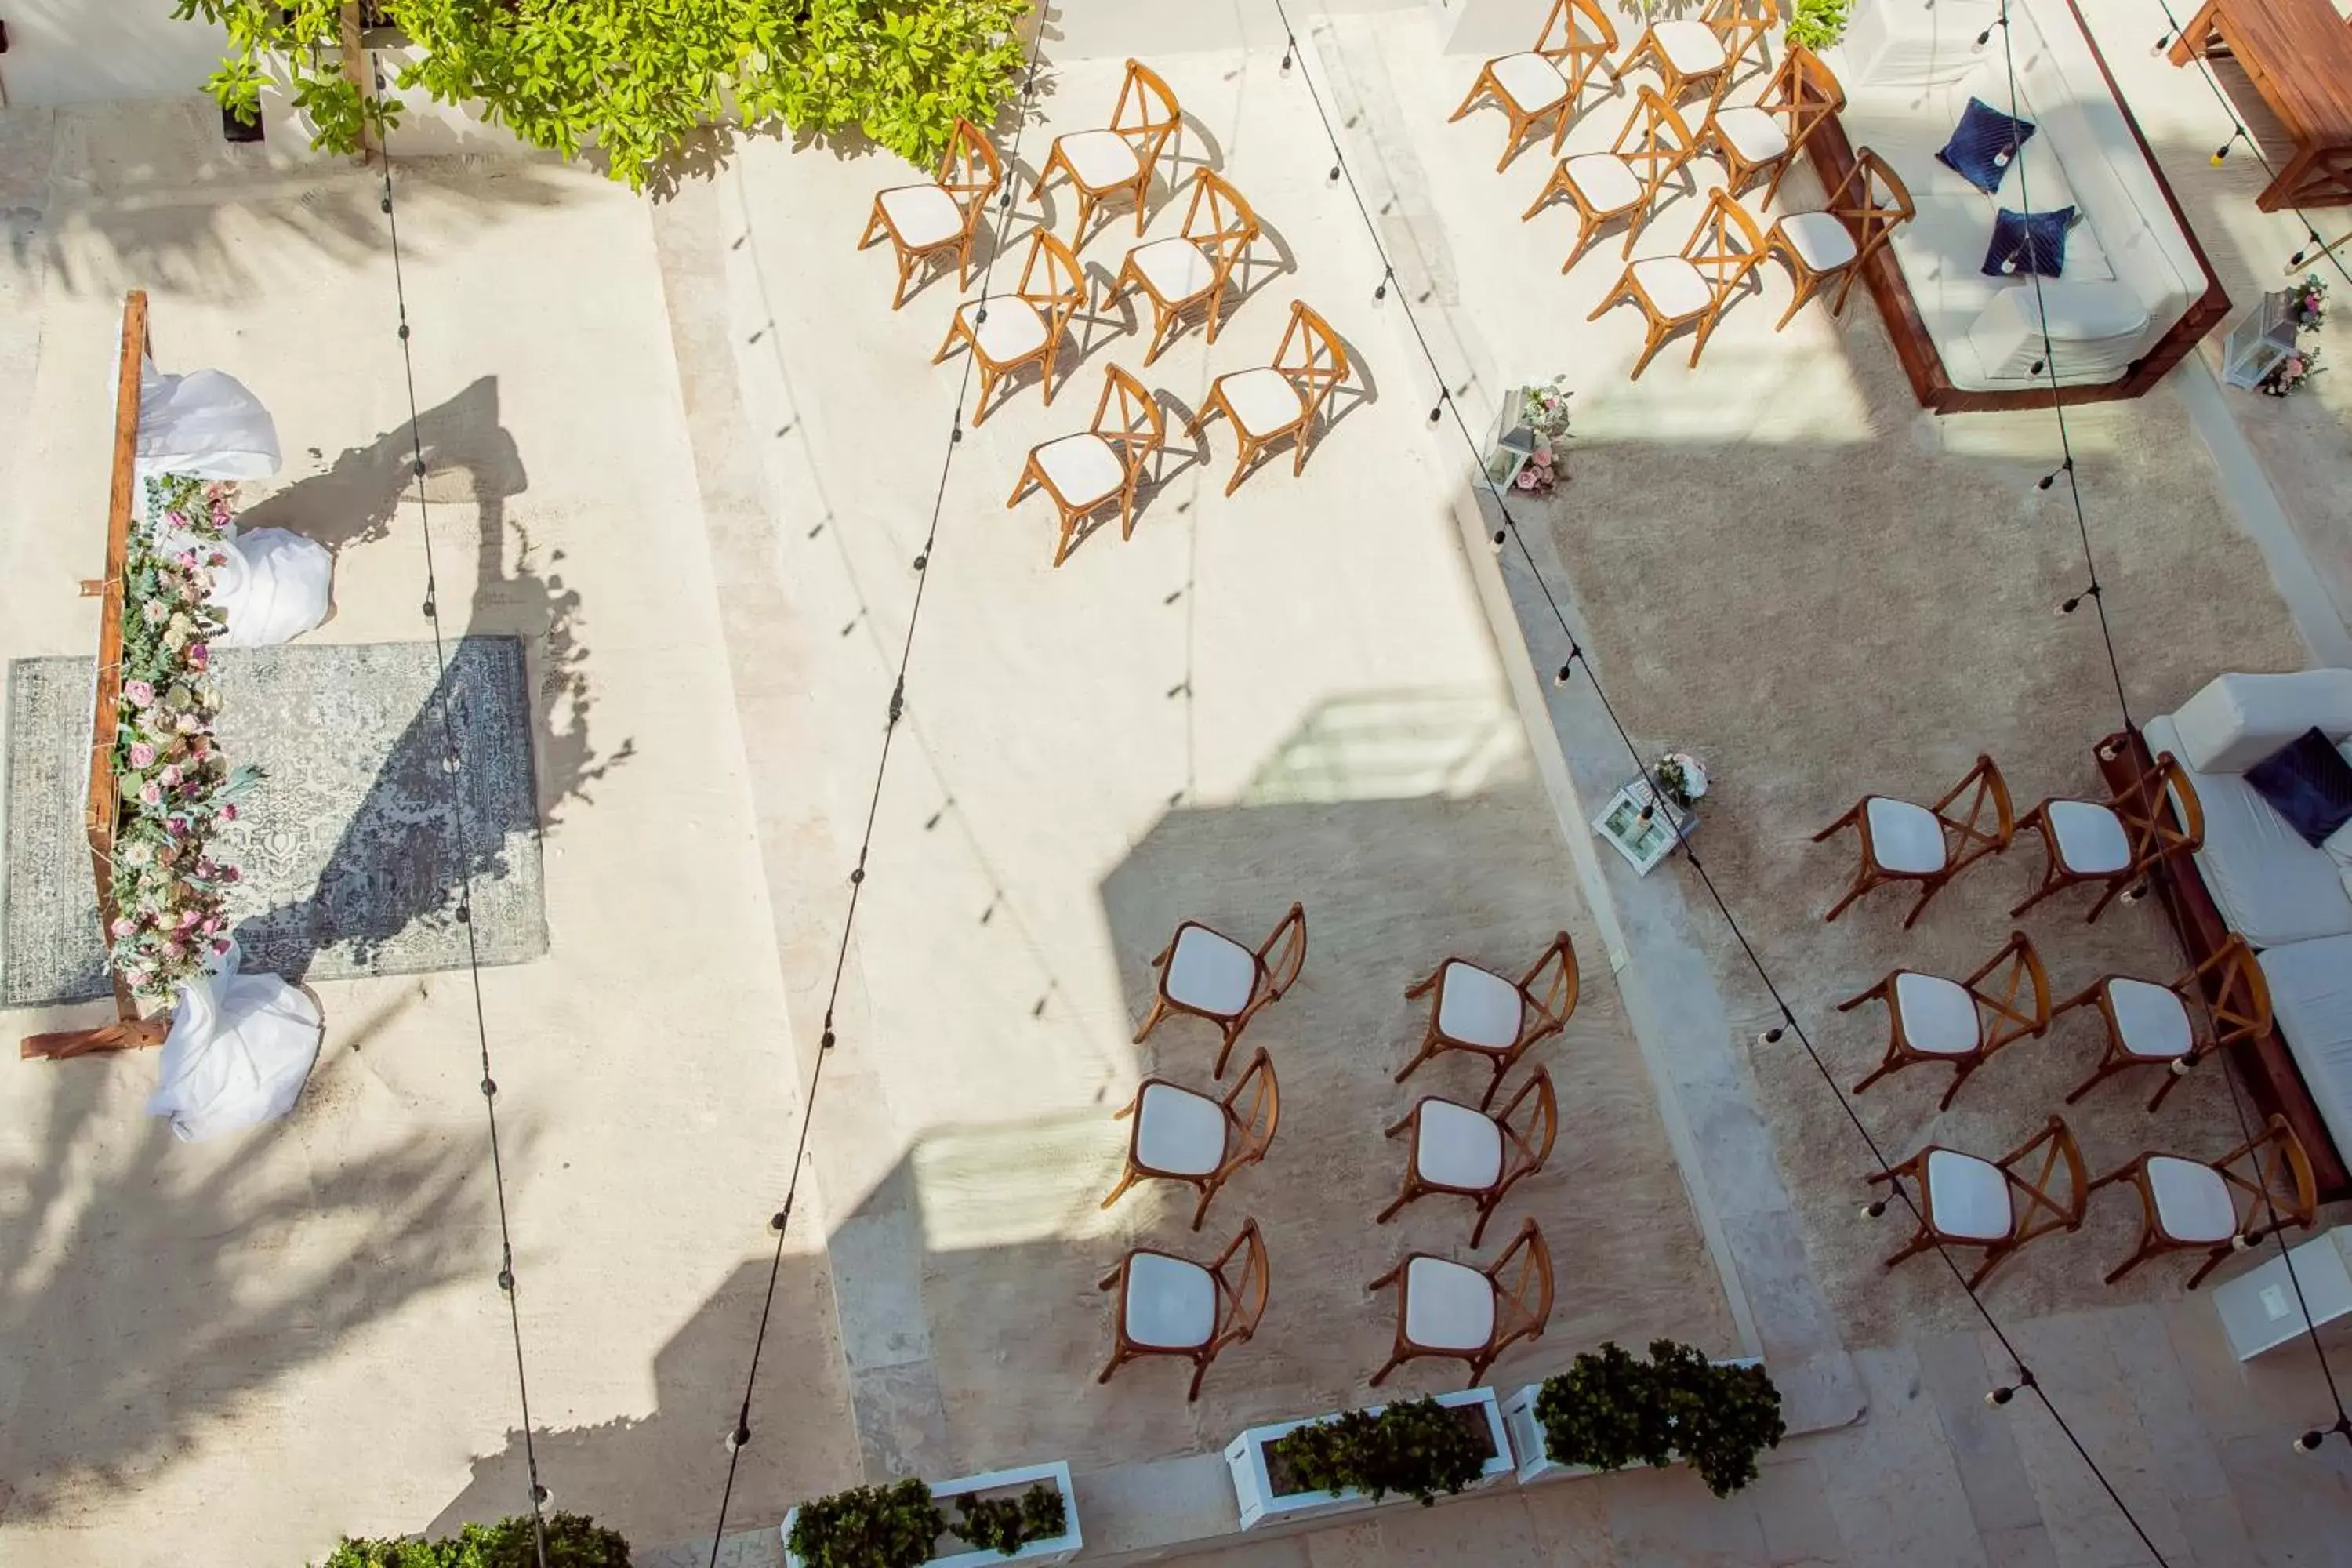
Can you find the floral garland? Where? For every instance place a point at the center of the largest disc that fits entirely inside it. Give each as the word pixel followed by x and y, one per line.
pixel 173 787
pixel 2307 308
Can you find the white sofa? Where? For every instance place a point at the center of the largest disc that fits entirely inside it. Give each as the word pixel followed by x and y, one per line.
pixel 1909 68
pixel 2292 901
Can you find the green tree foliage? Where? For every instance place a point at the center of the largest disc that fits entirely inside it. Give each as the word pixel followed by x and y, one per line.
pixel 635 77
pixel 868 1527
pixel 573 1541
pixel 1416 1446
pixel 1818 24
pixel 1610 1410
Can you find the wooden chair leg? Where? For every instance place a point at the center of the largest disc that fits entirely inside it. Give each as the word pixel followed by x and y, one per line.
pixel 1126 509
pixel 1394 1359
pixel 2050 883
pixel 987 384
pixel 1848 820
pixel 1502 1066
pixel 2208 1266
pixel 1402 1198
pixel 1846 285
pixel 1476 87
pixel 1859 997
pixel 1805 284
pixel 1151 1019
pixel 1249 451
pixel 1992 1260
pixel 1657 340
pixel 1891 1064
pixel 1919 1243
pixel 2114 884
pixel 1486 1207
pixel 1199 1371
pixel 1201 1209
pixel 1772 186
pixel 1233 1031
pixel 1585 227
pixel 1962 1070
pixel 1430 1046
pixel 1104 1375
pixel 2107 1069
pixel 1125 1182
pixel 948 343
pixel 2173 1073
pixel 1862 883
pixel 872 224
pixel 1385 1280
pixel 1413 992
pixel 2146 1250
pixel 1020 487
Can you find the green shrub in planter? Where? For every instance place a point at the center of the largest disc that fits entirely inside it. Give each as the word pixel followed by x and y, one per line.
pixel 573 1541
pixel 868 1527
pixel 1818 24
pixel 1417 1446
pixel 1610 1410
pixel 1008 1524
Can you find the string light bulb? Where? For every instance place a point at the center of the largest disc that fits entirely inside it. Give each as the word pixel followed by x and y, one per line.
pixel 2219 153
pixel 1771 1037
pixel 1561 676
pixel 2162 44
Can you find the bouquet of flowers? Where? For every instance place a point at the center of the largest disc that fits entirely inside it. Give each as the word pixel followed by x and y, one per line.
pixel 1544 411
pixel 2307 306
pixel 2290 373
pixel 1680 778
pixel 174 786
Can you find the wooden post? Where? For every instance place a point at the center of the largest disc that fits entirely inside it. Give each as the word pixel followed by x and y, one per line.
pixel 362 79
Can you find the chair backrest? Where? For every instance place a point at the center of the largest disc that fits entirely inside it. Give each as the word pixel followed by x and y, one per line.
pixel 1521 1277
pixel 1252 1109
pixel 1283 951
pixel 1554 996
pixel 1655 137
pixel 1229 226
pixel 1146 114
pixel 2015 985
pixel 969 170
pixel 1062 293
pixel 1740 24
pixel 2233 991
pixel 1580 31
pixel 1724 246
pixel 1310 352
pixel 1803 94
pixel 1140 429
pixel 1243 1287
pixel 1987 821
pixel 1527 1139
pixel 1871 200
pixel 2149 819
pixel 2269 1157
pixel 2043 1209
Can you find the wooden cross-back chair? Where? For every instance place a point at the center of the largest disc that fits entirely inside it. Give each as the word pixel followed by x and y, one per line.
pixel 1964 1201
pixel 1764 137
pixel 1624 180
pixel 1702 55
pixel 1929 845
pixel 1476 1155
pixel 1864 211
pixel 1695 284
pixel 2153 1025
pixel 923 221
pixel 1472 1315
pixel 1271 402
pixel 2119 841
pixel 2221 1205
pixel 1547 81
pixel 1192 268
pixel 1005 332
pixel 1962 1021
pixel 1210 975
pixel 1105 462
pixel 1478 1011
pixel 1102 164
pixel 1182 1136
pixel 1173 1306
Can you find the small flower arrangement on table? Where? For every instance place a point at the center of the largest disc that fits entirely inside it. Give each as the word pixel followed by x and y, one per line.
pixel 1681 779
pixel 2307 304
pixel 1543 410
pixel 172 785
pixel 2291 374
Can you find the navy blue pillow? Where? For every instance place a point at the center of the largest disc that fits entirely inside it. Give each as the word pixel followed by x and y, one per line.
pixel 2029 242
pixel 1985 144
pixel 2307 781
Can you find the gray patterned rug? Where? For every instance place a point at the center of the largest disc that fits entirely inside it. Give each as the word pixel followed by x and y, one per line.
pixel 346 846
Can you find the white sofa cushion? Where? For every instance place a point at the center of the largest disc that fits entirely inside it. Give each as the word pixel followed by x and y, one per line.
pixel 2270 887
pixel 2236 720
pixel 2311 1000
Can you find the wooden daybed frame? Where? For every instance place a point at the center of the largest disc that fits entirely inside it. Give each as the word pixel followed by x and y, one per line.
pixel 129 1030
pixel 1833 158
pixel 2264 1065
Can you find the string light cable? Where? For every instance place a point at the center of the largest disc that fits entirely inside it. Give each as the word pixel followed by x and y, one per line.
pixel 453 770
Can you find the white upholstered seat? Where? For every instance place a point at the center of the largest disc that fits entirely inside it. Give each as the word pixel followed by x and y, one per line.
pixel 2090 837
pixel 1478 1007
pixel 1691 46
pixel 922 214
pixel 1013 327
pixel 1170 1304
pixel 1754 133
pixel 2193 1201
pixel 1214 974
pixel 1606 180
pixel 1821 241
pixel 1968 1196
pixel 1177 268
pixel 2152 1019
pixel 1447 1306
pixel 1100 157
pixel 1675 287
pixel 1264 400
pixel 1905 837
pixel 1939 1015
pixel 1083 467
pixel 1457 1147
pixel 1529 81
pixel 1179 1131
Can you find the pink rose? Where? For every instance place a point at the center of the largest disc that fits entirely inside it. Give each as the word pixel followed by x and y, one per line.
pixel 152 792
pixel 122 927
pixel 171 774
pixel 229 874
pixel 143 755
pixel 141 693
pixel 175 950
pixel 179 825
pixel 198 654
pixel 229 811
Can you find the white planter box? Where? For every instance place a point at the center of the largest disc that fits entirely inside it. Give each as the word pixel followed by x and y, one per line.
pixel 1536 1463
pixel 1245 1455
pixel 1055 1549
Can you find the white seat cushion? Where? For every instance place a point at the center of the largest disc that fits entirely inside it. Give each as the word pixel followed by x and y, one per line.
pixel 1478 1007
pixel 923 215
pixel 1905 837
pixel 1530 81
pixel 1605 180
pixel 1672 285
pixel 1263 400
pixel 2311 997
pixel 1457 1147
pixel 1820 240
pixel 1176 269
pixel 1968 1196
pixel 2152 1019
pixel 1447 1306
pixel 1170 1303
pixel 2193 1201
pixel 1212 972
pixel 1691 45
pixel 1939 1015
pixel 1101 158
pixel 2270 887
pixel 2090 837
pixel 1179 1131
pixel 1084 467
pixel 1754 133
pixel 1013 327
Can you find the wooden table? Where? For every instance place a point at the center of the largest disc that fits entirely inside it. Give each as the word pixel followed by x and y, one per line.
pixel 2299 55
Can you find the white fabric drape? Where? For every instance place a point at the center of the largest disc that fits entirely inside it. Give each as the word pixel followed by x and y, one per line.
pixel 240 1048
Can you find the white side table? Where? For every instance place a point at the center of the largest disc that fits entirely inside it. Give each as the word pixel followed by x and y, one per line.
pixel 1643 843
pixel 2258 1308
